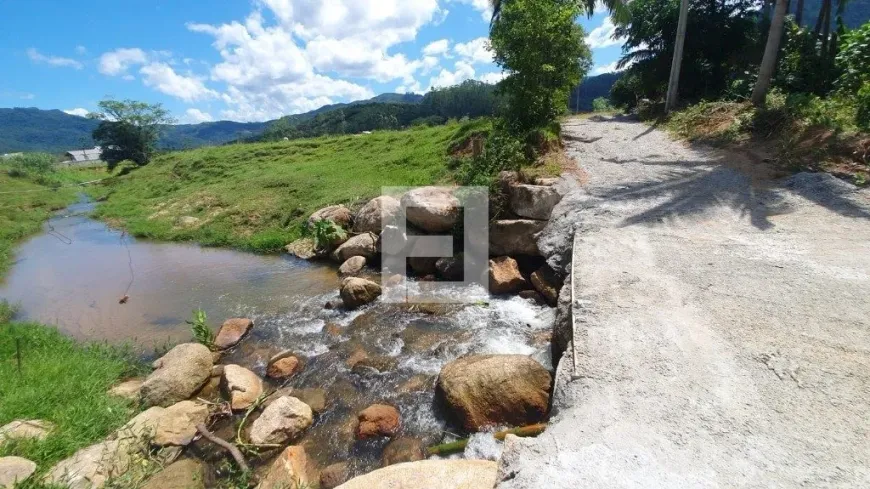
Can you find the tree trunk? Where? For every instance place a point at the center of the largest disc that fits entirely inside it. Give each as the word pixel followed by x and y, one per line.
pixel 674 80
pixel 768 62
pixel 817 30
pixel 799 13
pixel 826 29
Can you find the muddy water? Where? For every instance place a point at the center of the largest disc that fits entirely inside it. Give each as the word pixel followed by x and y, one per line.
pixel 76 284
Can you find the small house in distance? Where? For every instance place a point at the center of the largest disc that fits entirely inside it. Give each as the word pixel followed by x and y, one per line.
pixel 83 157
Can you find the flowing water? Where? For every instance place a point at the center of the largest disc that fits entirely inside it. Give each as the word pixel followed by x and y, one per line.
pixel 74 274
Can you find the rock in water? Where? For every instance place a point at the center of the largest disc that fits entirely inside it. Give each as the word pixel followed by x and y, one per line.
pixel 338 214
pixel 14 470
pixel 292 469
pixel 505 276
pixel 378 420
pixel 232 332
pixel 430 474
pixel 284 419
pixel 431 209
pixel 364 245
pixel 402 450
pixel 283 365
pixel 334 475
pixel 242 386
pixel 376 213
pixel 546 282
pixel 515 237
pixel 487 390
pixel 177 426
pixel 183 474
pixel 302 248
pixel 352 266
pixel 533 201
pixel 178 375
pixel 356 292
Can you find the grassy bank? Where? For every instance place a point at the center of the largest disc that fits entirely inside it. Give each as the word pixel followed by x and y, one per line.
pixel 256 196
pixel 28 199
pixel 59 381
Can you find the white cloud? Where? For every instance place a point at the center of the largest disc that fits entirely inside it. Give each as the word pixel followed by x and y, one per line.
pixel 27 96
pixel 117 62
pixel 195 116
pixel 462 71
pixel 38 57
pixel 81 50
pixel 78 111
pixel 436 48
pixel 163 78
pixel 482 6
pixel 492 77
pixel 603 35
pixel 475 51
pixel 608 68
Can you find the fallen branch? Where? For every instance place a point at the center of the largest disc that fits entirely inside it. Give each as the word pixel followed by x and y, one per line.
pixel 459 445
pixel 237 455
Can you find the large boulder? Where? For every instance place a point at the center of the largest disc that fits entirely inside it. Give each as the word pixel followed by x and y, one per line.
pixel 177 425
pixel 376 213
pixel 515 237
pixel 533 201
pixel 547 283
pixel 232 332
pixel 430 474
pixel 143 426
pixel 129 389
pixel 183 474
pixel 26 429
pixel 14 470
pixel 505 276
pixel 178 375
pixel 338 214
pixel 242 386
pixel 487 390
pixel 365 245
pixel 450 268
pixel 91 467
pixel 432 209
pixel 377 420
pixel 292 469
pixel 283 419
pixel 282 365
pixel 356 292
pixel 352 267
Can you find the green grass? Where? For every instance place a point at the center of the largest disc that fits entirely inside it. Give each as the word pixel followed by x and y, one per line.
pixel 60 381
pixel 256 196
pixel 25 204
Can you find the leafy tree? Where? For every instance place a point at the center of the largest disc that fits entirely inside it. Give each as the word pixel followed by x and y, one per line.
pixel 854 59
pixel 470 98
pixel 601 104
pixel 539 45
pixel 129 130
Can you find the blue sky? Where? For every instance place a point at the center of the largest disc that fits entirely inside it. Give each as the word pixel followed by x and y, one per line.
pixel 246 60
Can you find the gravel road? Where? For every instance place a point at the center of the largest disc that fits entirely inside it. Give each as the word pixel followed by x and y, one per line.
pixel 722 323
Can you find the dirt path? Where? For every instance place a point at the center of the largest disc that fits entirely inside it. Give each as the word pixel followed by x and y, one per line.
pixel 722 323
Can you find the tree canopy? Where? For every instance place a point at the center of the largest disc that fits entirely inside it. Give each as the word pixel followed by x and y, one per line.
pixel 128 130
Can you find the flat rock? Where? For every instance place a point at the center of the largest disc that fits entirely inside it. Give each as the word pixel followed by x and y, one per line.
pixel 515 237
pixel 282 365
pixel 242 386
pixel 183 474
pixel 177 426
pixel 364 245
pixel 91 467
pixel 178 375
pixel 429 474
pixel 432 209
pixel 352 267
pixel 546 282
pixel 377 212
pixel 283 419
pixel 338 214
pixel 505 276
pixel 15 469
pixel 533 201
pixel 292 469
pixel 143 426
pixel 129 389
pixel 26 429
pixel 356 292
pixel 489 390
pixel 378 420
pixel 232 332
pixel 302 248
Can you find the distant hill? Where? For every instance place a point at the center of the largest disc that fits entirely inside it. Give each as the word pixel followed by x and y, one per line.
pixel 55 131
pixel 590 89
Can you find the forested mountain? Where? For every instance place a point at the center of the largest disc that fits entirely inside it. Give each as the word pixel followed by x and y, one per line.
pixel 590 89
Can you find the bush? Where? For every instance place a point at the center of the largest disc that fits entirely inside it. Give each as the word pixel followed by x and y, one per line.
pixel 502 151
pixel 862 115
pixel 601 104
pixel 854 60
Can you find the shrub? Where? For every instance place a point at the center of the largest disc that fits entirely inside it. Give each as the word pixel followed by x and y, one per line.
pixel 854 60
pixel 326 232
pixel 862 100
pixel 502 151
pixel 601 104
pixel 201 332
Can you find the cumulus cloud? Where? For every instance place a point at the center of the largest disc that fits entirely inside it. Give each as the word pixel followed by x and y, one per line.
pixel 437 48
pixel 117 62
pixel 604 35
pixel 608 68
pixel 81 50
pixel 475 51
pixel 482 6
pixel 40 58
pixel 195 116
pixel 163 78
pixel 462 71
pixel 78 111
pixel 492 77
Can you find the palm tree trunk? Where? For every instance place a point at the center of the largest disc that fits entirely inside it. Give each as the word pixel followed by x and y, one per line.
pixel 799 13
pixel 674 80
pixel 768 62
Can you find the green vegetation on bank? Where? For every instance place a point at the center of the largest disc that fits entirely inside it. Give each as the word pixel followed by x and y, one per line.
pixel 62 382
pixel 31 189
pixel 257 196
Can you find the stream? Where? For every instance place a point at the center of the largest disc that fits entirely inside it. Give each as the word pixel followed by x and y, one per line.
pixel 73 274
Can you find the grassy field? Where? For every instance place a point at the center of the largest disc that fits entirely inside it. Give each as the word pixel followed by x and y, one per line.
pixel 256 196
pixel 25 205
pixel 60 381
